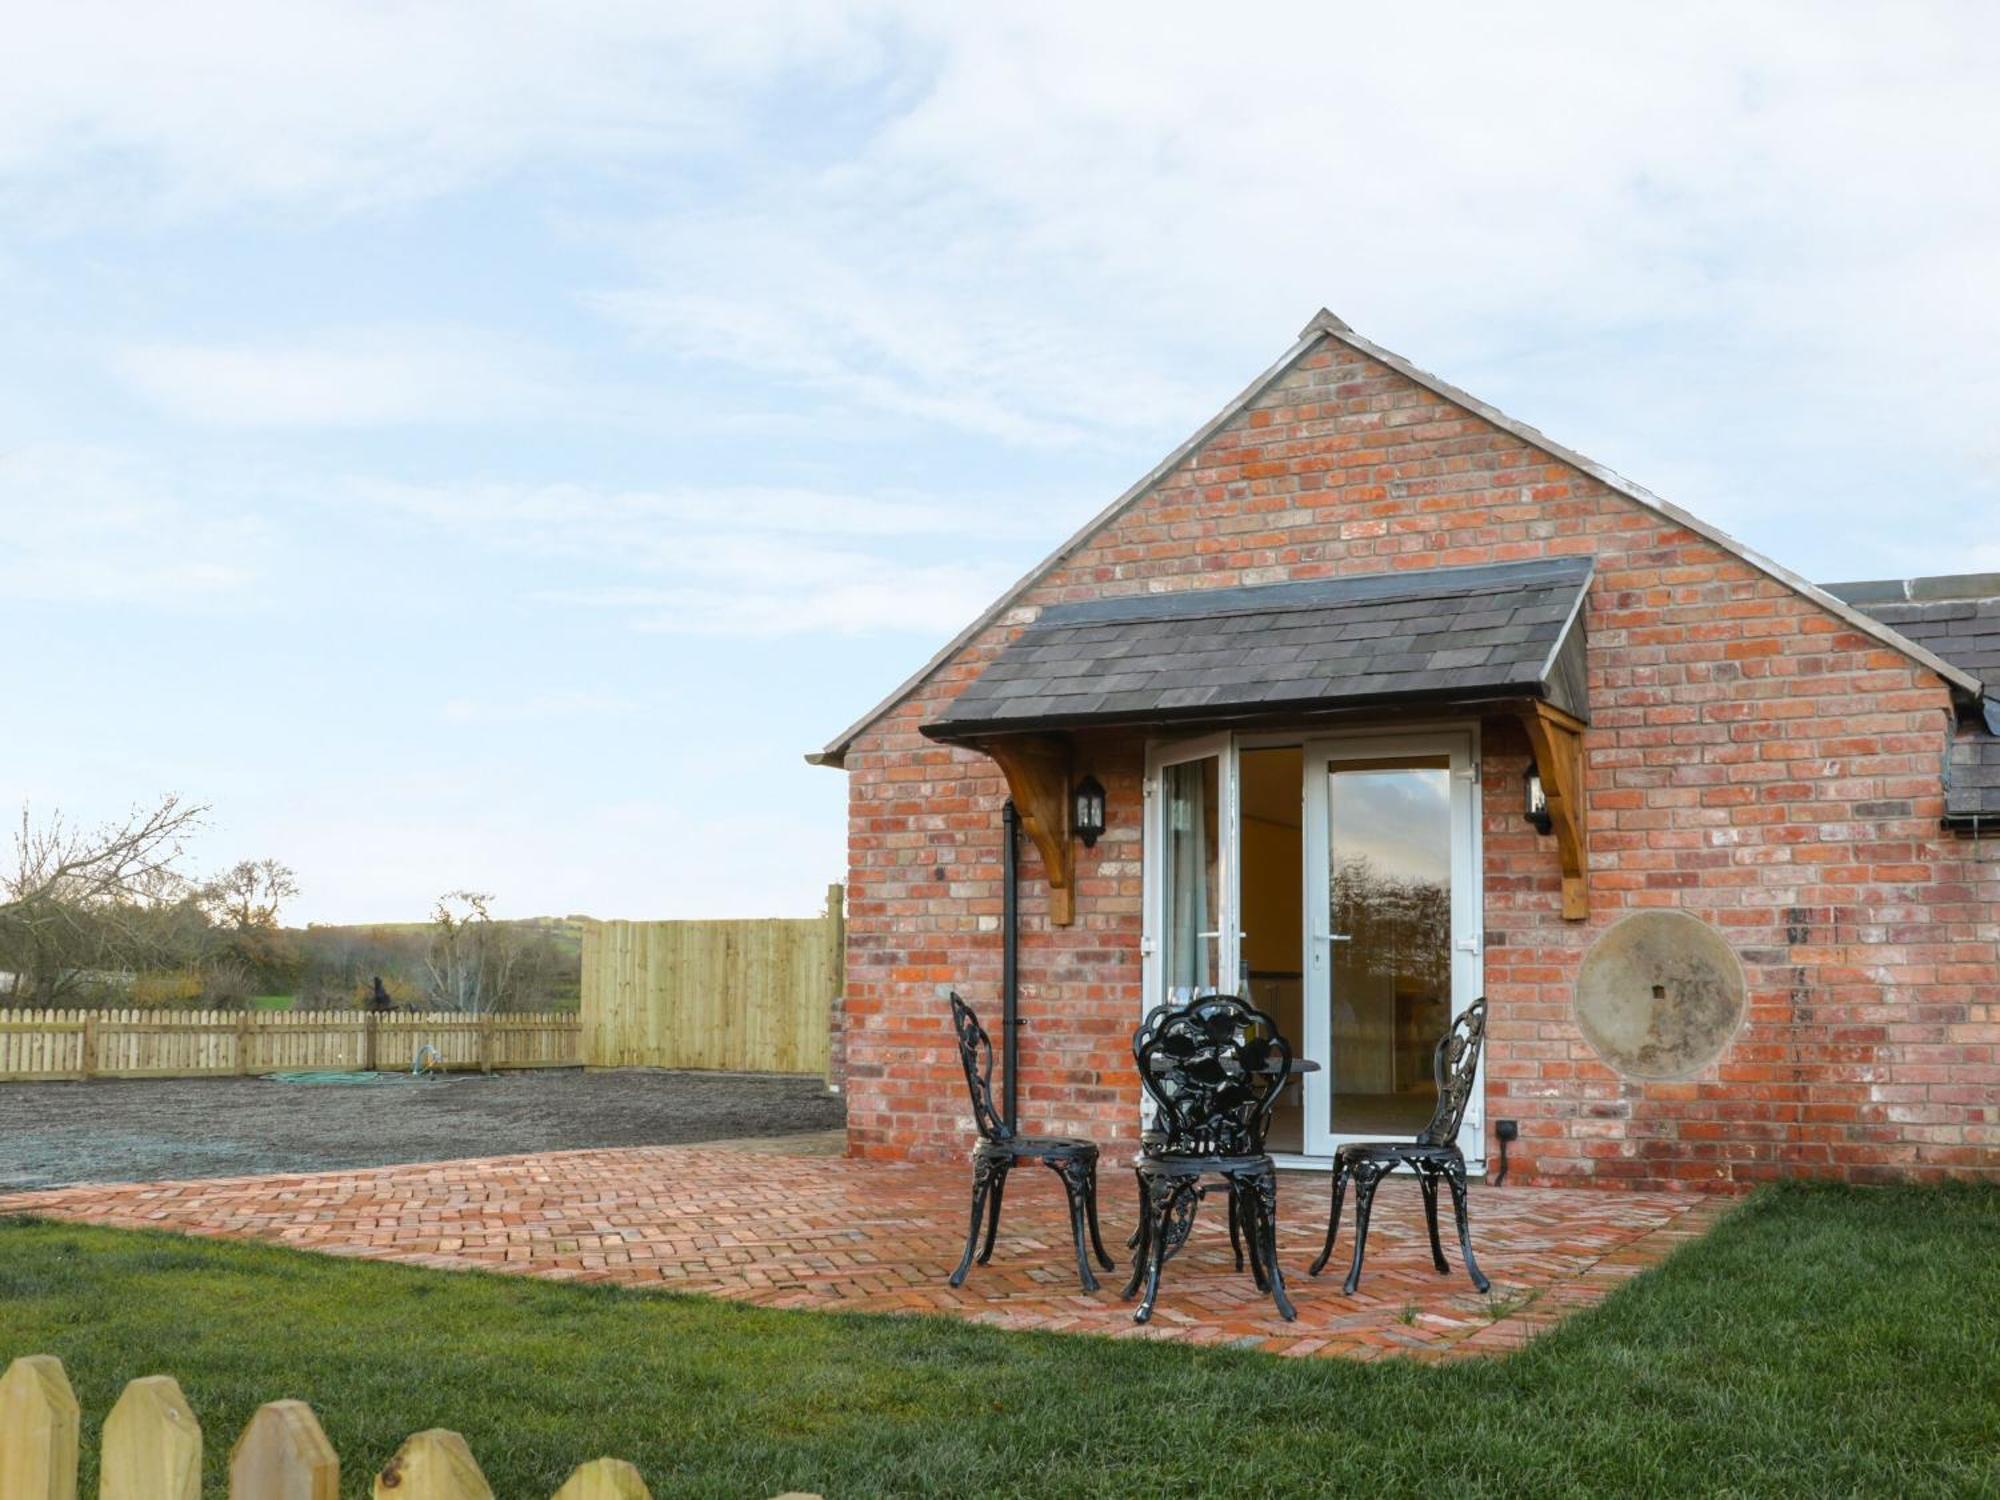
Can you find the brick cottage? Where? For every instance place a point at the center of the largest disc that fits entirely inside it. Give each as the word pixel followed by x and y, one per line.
pixel 1393 703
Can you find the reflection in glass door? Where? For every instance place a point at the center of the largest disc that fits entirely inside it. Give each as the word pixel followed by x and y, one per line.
pixel 1394 935
pixel 1389 839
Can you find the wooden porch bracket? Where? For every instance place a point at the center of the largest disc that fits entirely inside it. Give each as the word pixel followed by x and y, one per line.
pixel 1557 740
pixel 1037 768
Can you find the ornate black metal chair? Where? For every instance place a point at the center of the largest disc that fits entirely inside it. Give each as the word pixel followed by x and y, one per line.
pixel 1433 1156
pixel 999 1148
pixel 1214 1070
pixel 1153 1141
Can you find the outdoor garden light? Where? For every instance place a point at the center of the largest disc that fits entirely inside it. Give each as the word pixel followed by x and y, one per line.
pixel 1538 803
pixel 1087 816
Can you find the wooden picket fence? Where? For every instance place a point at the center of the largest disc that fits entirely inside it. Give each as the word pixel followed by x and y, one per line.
pixel 151 1450
pixel 67 1044
pixel 749 996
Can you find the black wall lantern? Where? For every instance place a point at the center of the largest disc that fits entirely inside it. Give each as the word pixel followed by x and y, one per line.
pixel 1087 813
pixel 1538 803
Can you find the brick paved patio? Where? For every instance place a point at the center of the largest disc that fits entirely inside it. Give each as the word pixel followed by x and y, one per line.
pixel 786 1230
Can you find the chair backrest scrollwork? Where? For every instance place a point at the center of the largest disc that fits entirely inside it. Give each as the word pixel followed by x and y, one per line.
pixel 1214 1069
pixel 975 1055
pixel 1456 1064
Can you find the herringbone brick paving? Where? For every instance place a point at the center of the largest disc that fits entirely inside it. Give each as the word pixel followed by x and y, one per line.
pixel 801 1231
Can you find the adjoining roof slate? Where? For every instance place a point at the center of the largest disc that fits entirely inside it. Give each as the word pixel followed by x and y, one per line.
pixel 1972 781
pixel 1958 616
pixel 1323 326
pixel 1503 631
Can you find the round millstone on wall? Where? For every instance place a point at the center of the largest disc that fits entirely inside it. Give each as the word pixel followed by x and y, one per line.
pixel 1660 995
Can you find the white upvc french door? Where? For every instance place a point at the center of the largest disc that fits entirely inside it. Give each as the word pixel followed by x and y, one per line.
pixel 1393 928
pixel 1193 942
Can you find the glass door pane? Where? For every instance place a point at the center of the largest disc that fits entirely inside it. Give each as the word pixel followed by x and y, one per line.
pixel 1192 945
pixel 1389 916
pixel 1190 873
pixel 1271 910
pixel 1393 929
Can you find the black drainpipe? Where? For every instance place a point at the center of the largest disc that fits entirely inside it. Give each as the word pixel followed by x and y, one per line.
pixel 1010 952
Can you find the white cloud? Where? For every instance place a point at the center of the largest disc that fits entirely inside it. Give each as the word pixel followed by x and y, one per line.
pixel 101 526
pixel 1697 233
pixel 88 526
pixel 359 378
pixel 326 107
pixel 744 561
pixel 1031 222
pixel 942 354
pixel 850 596
pixel 650 521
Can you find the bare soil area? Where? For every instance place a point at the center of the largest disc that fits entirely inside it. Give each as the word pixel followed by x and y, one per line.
pixel 141 1130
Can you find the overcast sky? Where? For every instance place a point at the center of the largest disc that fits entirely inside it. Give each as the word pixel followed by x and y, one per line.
pixel 485 444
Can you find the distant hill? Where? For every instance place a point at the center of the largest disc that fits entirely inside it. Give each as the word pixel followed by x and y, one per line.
pixel 565 932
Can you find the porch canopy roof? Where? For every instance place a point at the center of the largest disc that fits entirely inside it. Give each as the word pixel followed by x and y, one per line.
pixel 1507 631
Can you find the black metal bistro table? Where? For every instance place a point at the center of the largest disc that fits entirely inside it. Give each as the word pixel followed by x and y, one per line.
pixel 1300 1065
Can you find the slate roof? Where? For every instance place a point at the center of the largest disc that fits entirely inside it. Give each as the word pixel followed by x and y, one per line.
pixel 1505 631
pixel 1958 618
pixel 1972 781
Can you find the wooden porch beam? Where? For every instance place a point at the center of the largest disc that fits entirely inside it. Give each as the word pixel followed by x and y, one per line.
pixel 1037 768
pixel 1557 741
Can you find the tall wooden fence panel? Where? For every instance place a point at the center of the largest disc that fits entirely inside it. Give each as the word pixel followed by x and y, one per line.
pixel 150 1448
pixel 66 1044
pixel 750 996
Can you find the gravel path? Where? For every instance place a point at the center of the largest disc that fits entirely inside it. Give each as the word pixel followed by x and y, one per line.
pixel 140 1130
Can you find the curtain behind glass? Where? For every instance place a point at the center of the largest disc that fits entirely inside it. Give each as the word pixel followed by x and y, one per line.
pixel 1190 856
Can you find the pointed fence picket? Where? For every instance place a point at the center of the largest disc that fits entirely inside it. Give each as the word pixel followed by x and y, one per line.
pixel 152 1444
pixel 127 1043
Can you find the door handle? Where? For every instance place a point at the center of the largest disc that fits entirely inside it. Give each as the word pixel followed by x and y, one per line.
pixel 1333 937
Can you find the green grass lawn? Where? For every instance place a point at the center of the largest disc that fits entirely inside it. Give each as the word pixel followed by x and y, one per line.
pixel 1820 1342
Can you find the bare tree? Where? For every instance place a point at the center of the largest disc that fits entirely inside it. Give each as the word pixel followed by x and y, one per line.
pixel 246 897
pixel 540 960
pixel 1401 924
pixel 243 950
pixel 76 900
pixel 469 965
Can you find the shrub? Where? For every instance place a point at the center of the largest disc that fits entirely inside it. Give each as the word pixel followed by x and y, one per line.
pixel 174 989
pixel 228 986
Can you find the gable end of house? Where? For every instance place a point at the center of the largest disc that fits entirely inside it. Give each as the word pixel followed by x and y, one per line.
pixel 1325 326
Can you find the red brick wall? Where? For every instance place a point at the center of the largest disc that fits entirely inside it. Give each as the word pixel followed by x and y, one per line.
pixel 1751 759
